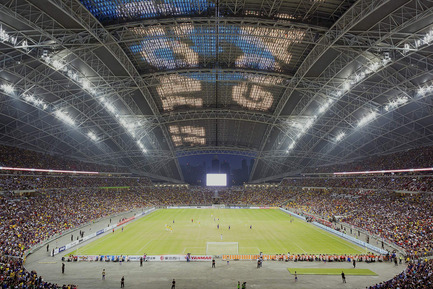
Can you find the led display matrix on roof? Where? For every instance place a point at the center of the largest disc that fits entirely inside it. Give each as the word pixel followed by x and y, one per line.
pixel 187 135
pixel 108 10
pixel 182 45
pixel 216 180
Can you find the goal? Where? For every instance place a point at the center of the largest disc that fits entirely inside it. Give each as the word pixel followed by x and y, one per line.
pixel 214 206
pixel 220 248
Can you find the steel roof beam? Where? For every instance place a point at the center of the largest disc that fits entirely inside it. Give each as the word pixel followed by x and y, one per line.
pixel 33 19
pixel 356 13
pixel 76 11
pixel 45 31
pixel 405 19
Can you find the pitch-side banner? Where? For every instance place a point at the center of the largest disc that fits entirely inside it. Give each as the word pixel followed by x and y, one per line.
pixel 171 258
pixel 149 258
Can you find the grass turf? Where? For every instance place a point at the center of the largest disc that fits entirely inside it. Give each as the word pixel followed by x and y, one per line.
pixel 272 232
pixel 331 271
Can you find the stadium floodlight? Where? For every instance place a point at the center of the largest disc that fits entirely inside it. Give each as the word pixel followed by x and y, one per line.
pixel 291 146
pixel 92 136
pixel 420 42
pixel 35 101
pixel 58 65
pixel 309 123
pixel 73 75
pixel 85 83
pixel 298 125
pixel 373 67
pixel 109 107
pixel 64 116
pixel 366 119
pixel 303 125
pixel 325 106
pixel 428 37
pixel 359 77
pixel 88 86
pixel 141 146
pixel 5 37
pixel 340 136
pixel 7 88
pixel 128 125
pixel 425 89
pixel 346 85
pixel 396 103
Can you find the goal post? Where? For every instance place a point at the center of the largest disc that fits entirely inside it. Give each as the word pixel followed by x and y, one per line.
pixel 220 248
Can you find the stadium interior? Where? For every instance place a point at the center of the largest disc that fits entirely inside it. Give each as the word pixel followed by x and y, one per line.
pixel 332 100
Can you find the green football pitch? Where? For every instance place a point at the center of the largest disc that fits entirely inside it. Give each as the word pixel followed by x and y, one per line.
pixel 272 232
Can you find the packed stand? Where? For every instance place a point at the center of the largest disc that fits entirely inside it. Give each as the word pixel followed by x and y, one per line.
pixel 418 183
pixel 416 276
pixel 258 196
pixel 13 275
pixel 27 221
pixel 174 196
pixel 406 220
pixel 13 182
pixel 16 157
pixel 415 158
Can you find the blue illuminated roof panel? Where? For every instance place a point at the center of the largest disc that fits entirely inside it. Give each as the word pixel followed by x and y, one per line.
pixel 189 46
pixel 114 10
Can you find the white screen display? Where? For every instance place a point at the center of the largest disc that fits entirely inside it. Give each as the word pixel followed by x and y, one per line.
pixel 213 180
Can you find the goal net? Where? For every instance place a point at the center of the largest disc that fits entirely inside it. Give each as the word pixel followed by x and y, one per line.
pixel 218 206
pixel 220 248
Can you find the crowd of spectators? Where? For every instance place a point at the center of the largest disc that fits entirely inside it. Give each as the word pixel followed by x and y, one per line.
pixel 414 158
pixel 174 196
pixel 13 275
pixel 13 182
pixel 258 196
pixel 26 221
pixel 416 276
pixel 419 183
pixel 62 202
pixel 21 158
pixel 404 219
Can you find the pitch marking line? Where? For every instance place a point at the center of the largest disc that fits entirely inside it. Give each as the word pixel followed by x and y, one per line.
pixel 145 245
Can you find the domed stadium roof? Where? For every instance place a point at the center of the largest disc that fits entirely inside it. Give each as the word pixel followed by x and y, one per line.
pixel 140 83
